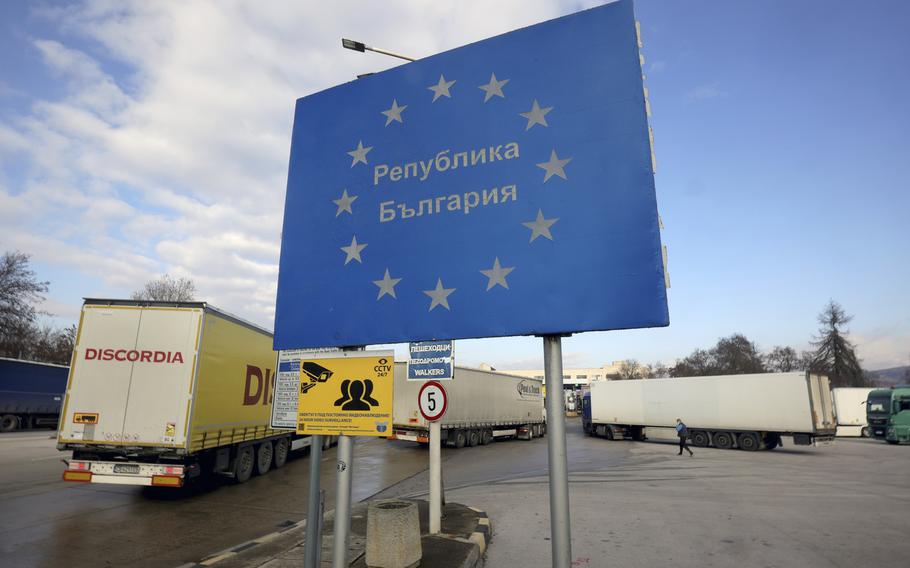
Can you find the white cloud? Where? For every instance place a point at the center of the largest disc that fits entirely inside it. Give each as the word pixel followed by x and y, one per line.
pixel 882 348
pixel 179 164
pixel 705 92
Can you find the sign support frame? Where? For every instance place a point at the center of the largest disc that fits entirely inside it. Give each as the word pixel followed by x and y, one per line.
pixel 560 529
pixel 435 477
pixel 435 454
pixel 343 502
pixel 344 479
pixel 314 524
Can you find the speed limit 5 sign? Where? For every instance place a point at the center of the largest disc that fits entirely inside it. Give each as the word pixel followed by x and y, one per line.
pixel 432 401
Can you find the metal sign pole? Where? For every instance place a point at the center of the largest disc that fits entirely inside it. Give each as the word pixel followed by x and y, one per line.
pixel 313 533
pixel 435 478
pixel 343 502
pixel 560 531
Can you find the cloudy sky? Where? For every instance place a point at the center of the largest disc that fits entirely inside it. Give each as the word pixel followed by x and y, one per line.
pixel 138 138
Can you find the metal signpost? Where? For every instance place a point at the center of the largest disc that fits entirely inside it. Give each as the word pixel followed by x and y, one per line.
pixel 502 188
pixel 284 416
pixel 431 360
pixel 344 393
pixel 433 402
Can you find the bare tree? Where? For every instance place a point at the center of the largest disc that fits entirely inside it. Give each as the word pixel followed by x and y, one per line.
pixel 659 371
pixel 834 355
pixel 630 369
pixel 699 363
pixel 20 290
pixel 784 360
pixel 733 355
pixel 167 289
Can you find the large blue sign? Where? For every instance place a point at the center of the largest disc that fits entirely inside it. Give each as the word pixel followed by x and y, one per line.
pixel 501 188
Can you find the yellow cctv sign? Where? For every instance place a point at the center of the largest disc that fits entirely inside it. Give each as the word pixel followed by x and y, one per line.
pixel 346 393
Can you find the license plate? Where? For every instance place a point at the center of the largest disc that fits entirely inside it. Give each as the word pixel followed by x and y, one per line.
pixel 126 468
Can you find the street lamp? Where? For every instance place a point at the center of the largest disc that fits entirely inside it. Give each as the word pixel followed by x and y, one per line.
pixel 361 47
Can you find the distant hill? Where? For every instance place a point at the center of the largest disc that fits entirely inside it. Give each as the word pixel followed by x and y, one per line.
pixel 890 377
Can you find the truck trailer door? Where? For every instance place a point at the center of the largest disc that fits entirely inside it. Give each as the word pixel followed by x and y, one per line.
pixel 158 402
pixel 823 416
pixel 95 401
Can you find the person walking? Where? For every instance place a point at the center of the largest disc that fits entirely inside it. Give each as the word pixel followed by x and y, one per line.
pixel 683 432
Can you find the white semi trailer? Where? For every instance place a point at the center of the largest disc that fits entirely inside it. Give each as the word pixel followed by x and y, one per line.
pixel 482 405
pixel 749 412
pixel 850 408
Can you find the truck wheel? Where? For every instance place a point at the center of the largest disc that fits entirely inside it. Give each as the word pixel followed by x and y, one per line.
pixel 243 464
pixel 700 439
pixel 723 440
pixel 9 422
pixel 459 439
pixel 280 453
pixel 749 441
pixel 473 438
pixel 864 432
pixel 486 437
pixel 264 457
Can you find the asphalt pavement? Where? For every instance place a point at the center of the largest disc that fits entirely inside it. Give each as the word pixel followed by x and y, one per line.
pixel 50 523
pixel 633 504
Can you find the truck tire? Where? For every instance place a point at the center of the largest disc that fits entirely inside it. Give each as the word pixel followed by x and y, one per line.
pixel 243 464
pixel 459 439
pixel 264 453
pixel 700 439
pixel 9 422
pixel 486 437
pixel 749 441
pixel 473 438
pixel 723 440
pixel 864 432
pixel 280 453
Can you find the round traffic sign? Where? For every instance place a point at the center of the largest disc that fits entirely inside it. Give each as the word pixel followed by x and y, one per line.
pixel 432 401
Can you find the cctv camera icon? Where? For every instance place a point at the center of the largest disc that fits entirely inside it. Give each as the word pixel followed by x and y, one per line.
pixel 316 373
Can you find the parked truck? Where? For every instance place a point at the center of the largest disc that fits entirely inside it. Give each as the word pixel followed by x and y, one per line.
pixel 160 393
pixel 749 412
pixel 30 393
pixel 482 406
pixel 850 409
pixel 888 412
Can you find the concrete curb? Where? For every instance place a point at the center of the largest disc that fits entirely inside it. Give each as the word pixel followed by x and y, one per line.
pixel 212 559
pixel 483 531
pixel 479 538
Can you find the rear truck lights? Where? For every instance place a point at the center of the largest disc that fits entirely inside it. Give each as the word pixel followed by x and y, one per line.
pixel 82 476
pixel 78 466
pixel 173 470
pixel 167 481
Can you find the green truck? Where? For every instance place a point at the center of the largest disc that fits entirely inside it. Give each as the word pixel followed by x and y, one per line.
pixel 888 414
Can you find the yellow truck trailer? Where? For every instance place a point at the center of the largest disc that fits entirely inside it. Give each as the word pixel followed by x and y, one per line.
pixel 162 392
